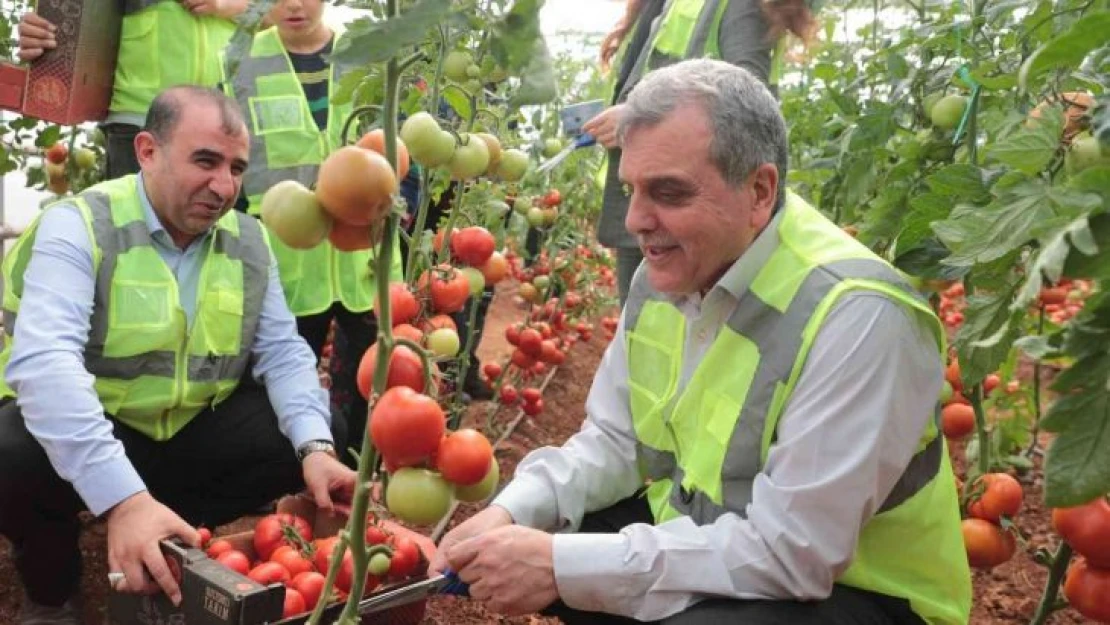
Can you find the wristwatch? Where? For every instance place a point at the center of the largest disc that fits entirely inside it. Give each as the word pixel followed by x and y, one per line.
pixel 314 446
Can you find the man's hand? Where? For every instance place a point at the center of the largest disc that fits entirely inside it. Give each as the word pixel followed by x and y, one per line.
pixel 219 8
pixel 603 127
pixel 328 479
pixel 489 519
pixel 509 568
pixel 36 36
pixel 135 526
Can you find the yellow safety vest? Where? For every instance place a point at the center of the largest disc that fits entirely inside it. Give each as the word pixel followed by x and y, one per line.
pixel 153 371
pixel 286 144
pixel 161 45
pixel 701 448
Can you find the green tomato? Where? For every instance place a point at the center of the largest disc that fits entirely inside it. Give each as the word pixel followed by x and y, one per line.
pixel 378 565
pixel 482 490
pixel 418 496
pixel 473 71
pixel 456 64
pixel 443 342
pixel 424 139
pixel 551 147
pixel 513 165
pixel 471 158
pixel 541 282
pixel 475 278
pixel 85 158
pixel 535 217
pixel 1085 151
pixel 521 205
pixel 496 208
pixel 948 111
pixel 930 100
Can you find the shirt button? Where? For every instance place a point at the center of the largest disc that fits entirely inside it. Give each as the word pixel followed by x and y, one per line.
pixel 702 336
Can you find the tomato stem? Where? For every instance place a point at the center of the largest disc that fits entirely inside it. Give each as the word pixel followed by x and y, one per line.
pixel 981 429
pixel 1056 574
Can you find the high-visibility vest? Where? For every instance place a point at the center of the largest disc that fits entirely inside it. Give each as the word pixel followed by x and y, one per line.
pixel 286 144
pixel 161 45
pixel 153 370
pixel 701 448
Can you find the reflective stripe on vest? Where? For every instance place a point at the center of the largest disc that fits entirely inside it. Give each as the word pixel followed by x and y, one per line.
pixel 701 447
pixel 151 371
pixel 161 45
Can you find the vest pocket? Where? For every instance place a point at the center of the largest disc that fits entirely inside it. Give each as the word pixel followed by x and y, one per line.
pixel 223 322
pixel 137 305
pixel 277 114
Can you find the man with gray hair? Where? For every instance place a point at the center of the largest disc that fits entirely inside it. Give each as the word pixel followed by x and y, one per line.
pixel 761 442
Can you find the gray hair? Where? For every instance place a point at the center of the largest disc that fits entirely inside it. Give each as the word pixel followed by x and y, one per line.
pixel 164 114
pixel 748 127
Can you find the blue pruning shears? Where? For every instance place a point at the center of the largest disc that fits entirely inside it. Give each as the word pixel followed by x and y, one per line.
pixel 446 584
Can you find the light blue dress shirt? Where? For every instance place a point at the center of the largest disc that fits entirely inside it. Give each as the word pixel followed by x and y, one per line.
pixel 55 392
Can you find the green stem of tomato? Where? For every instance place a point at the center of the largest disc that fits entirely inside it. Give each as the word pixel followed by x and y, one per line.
pixel 356 524
pixel 1056 574
pixel 329 580
pixel 464 358
pixel 981 429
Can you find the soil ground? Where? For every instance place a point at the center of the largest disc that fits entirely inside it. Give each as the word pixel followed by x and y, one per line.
pixel 1008 595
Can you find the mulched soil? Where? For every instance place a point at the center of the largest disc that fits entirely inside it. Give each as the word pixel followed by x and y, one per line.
pixel 1006 595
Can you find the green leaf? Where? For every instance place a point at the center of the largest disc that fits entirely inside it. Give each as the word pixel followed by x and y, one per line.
pixel 1094 180
pixel 49 136
pixel 537 84
pixel 988 333
pixel 1039 347
pixel 1003 226
pixel 367 42
pixel 872 130
pixel 1067 49
pixel 515 36
pixel 1032 147
pixel 1095 265
pixel 458 101
pixel 1077 464
pixel 961 181
pixel 926 209
pixel 1050 261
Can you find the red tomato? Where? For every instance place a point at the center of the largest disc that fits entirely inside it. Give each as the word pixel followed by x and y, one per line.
pixel 311 585
pixel 269 573
pixel 472 245
pixel 322 559
pixel 235 560
pixel 531 342
pixel 205 536
pixel 1087 589
pixel 294 603
pixel 464 457
pixel 410 332
pixel 269 532
pixel 492 370
pixel 494 269
pixel 533 409
pixel 449 288
pixel 508 394
pixel 521 360
pixel 406 557
pixel 987 544
pixel 405 369
pixel 440 321
pixel 957 420
pixel 552 198
pixel 294 561
pixel 531 395
pixel 406 426
pixel 1001 496
pixel 403 306
pixel 375 535
pixel 1087 529
pixel 218 546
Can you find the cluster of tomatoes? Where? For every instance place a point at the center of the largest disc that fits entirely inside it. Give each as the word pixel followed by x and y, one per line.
pixel 957 415
pixel 1086 529
pixel 1065 299
pixel 988 500
pixel 952 305
pixel 283 550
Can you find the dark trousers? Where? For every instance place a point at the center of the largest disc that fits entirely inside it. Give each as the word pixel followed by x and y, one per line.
pixel 119 146
pixel 354 334
pixel 226 463
pixel 845 606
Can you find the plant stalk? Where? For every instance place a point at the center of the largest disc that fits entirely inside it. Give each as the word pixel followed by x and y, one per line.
pixel 1056 574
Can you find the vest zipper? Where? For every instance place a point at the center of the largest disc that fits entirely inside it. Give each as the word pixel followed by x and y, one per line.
pixel 179 373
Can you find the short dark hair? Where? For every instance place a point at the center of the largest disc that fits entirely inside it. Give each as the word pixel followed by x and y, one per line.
pixel 165 111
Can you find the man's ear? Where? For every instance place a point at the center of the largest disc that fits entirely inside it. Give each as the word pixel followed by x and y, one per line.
pixel 145 147
pixel 765 191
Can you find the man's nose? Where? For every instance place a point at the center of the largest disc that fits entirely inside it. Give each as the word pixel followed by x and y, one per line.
pixel 640 216
pixel 224 183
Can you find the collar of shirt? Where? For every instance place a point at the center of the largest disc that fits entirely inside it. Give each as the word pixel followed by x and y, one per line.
pixel 735 282
pixel 158 233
